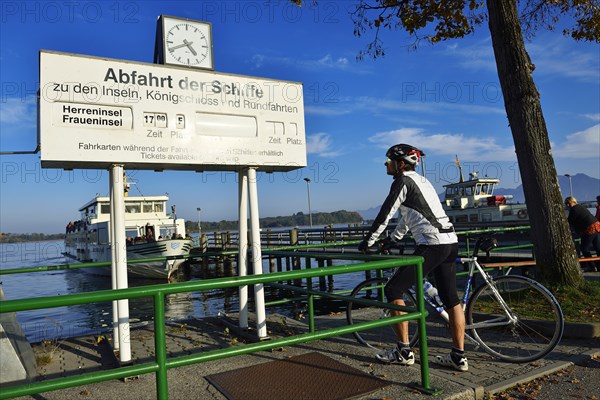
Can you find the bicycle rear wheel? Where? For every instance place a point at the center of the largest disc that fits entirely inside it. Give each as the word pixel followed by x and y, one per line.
pixel 376 338
pixel 537 321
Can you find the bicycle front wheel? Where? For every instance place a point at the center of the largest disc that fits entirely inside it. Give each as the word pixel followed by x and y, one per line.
pixel 515 319
pixel 382 337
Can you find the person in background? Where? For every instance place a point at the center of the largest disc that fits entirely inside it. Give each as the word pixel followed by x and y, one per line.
pixel 598 208
pixel 437 243
pixel 587 226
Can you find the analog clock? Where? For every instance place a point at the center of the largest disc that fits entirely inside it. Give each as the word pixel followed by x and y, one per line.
pixel 186 42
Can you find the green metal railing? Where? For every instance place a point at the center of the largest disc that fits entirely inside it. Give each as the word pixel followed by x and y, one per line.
pixel 161 363
pixel 158 292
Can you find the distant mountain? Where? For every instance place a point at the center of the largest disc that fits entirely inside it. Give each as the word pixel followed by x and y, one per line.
pixel 585 188
pixel 370 213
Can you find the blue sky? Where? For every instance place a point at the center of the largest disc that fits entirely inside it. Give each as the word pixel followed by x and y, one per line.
pixel 445 99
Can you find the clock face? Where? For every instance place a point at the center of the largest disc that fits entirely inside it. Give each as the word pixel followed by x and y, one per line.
pixel 188 43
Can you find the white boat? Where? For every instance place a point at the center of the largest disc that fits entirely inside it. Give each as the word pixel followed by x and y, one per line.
pixel 150 233
pixel 472 203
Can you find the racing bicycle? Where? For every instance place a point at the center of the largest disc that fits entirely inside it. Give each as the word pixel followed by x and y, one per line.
pixel 513 318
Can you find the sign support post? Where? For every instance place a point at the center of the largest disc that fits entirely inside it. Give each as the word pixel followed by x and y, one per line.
pixel 259 292
pixel 113 266
pixel 243 245
pixel 119 249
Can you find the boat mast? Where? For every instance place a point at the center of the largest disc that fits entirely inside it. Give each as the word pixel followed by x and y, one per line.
pixel 459 169
pixel 126 185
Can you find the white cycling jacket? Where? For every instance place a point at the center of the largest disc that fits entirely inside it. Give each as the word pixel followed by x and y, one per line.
pixel 421 212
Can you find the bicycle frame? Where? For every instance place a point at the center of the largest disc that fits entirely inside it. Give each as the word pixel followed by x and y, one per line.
pixel 489 281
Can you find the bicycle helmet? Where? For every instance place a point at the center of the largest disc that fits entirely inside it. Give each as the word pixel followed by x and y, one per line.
pixel 405 152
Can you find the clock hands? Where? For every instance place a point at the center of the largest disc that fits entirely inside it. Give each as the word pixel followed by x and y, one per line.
pixel 185 44
pixel 189 45
pixel 180 45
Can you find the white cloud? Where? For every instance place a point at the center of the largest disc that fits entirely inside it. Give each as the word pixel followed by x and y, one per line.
pixel 406 110
pixel 18 111
pixel 582 144
pixel 326 62
pixel 258 60
pixel 474 148
pixel 556 57
pixel 321 145
pixel 593 117
pixel 551 53
pixel 326 110
pixel 476 57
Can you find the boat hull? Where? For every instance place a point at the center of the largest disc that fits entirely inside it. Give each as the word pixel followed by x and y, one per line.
pixel 140 257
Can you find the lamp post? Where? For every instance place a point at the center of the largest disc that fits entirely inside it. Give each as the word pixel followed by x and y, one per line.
pixel 570 185
pixel 308 192
pixel 199 228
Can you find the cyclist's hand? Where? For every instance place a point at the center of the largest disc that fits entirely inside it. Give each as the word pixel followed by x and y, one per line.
pixel 363 247
pixel 386 245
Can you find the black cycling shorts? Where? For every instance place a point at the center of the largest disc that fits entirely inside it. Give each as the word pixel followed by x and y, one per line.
pixel 438 258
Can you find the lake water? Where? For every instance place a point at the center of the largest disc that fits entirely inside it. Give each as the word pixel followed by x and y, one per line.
pixel 88 319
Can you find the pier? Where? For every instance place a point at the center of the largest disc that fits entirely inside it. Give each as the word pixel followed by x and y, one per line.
pixel 191 351
pixel 74 356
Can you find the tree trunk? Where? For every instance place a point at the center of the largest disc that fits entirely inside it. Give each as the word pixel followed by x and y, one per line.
pixel 553 245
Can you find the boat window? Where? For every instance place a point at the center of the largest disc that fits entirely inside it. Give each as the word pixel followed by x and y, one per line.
pixel 166 233
pixel 147 207
pixel 105 209
pixel 159 207
pixel 461 218
pixel 486 217
pixel 133 208
pixel 473 218
pixel 507 212
pixel 487 188
pixel 469 191
pixel 477 190
pixel 103 236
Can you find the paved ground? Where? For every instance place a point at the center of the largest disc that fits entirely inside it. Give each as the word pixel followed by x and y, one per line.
pixel 572 369
pixel 485 377
pixel 581 381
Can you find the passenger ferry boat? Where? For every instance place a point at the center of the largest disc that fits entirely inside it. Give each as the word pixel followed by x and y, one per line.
pixel 472 203
pixel 150 233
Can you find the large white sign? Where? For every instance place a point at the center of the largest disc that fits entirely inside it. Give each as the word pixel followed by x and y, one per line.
pixel 94 112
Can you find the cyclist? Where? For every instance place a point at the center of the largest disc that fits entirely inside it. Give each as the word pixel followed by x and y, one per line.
pixel 437 243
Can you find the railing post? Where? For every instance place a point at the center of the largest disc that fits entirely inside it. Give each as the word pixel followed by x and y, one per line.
pixel 271 258
pixel 330 277
pixel 322 285
pixel 160 347
pixel 311 302
pixel 423 353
